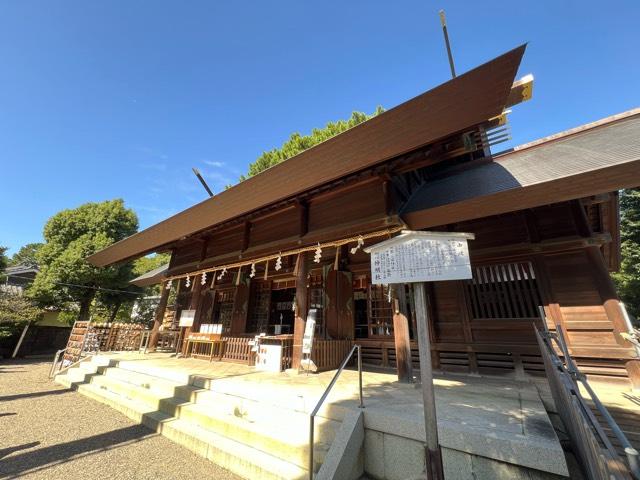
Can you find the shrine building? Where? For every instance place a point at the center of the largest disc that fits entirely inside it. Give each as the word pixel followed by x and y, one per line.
pixel 257 257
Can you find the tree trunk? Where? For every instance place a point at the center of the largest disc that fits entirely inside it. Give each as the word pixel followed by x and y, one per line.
pixel 114 312
pixel 85 308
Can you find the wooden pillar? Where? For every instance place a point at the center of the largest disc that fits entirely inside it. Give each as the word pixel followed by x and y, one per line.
pixel 611 303
pixel 193 305
pixel 434 466
pixel 401 335
pixel 301 309
pixel 159 316
pixel 240 308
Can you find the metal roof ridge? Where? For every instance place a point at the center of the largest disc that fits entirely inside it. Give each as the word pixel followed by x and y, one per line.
pixel 603 122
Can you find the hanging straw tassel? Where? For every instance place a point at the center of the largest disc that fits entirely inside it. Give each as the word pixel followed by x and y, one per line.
pixel 213 281
pixel 238 276
pixel 335 263
pixel 266 270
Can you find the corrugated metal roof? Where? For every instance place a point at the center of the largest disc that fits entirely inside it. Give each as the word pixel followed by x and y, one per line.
pixel 607 144
pixel 456 105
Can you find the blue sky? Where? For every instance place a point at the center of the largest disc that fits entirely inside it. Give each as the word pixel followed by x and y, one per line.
pixel 100 100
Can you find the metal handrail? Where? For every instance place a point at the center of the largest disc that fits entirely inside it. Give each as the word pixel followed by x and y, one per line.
pixel 577 376
pixel 324 396
pixel 55 361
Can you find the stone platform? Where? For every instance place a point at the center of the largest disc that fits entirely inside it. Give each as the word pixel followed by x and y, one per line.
pixel 488 427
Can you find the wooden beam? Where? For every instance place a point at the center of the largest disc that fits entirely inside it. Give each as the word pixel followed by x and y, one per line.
pixel 246 234
pixel 194 303
pixel 159 317
pixel 303 210
pixel 434 466
pixel 401 335
pixel 301 308
pixel 521 91
pixel 580 218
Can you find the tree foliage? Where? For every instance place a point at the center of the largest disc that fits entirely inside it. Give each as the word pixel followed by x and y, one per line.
pixel 27 255
pixel 3 260
pixel 71 236
pixel 17 309
pixel 118 306
pixel 628 278
pixel 298 143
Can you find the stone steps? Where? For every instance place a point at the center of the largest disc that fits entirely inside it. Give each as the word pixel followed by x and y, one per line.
pixel 252 439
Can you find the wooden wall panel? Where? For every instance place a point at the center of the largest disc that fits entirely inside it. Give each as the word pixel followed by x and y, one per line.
pixel 285 223
pixel 555 221
pixel 496 231
pixel 448 312
pixel 188 253
pixel 225 241
pixel 354 204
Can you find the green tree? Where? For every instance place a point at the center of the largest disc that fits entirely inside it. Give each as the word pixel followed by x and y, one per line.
pixel 117 306
pixel 26 255
pixel 3 259
pixel 70 237
pixel 628 278
pixel 17 309
pixel 299 143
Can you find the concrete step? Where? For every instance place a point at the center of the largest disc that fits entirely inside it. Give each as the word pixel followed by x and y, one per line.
pixel 239 458
pixel 160 386
pixel 285 439
pixel 283 434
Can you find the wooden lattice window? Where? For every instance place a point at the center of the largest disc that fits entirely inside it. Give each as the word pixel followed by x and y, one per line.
pixel 316 300
pixel 380 314
pixel 507 290
pixel 223 308
pixel 260 304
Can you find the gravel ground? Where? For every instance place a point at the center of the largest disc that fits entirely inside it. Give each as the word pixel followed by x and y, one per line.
pixel 49 432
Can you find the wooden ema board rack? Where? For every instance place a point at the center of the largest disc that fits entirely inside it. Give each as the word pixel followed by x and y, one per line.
pixel 76 342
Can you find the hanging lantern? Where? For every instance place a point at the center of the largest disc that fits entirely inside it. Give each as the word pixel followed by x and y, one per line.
pixel 188 282
pixel 318 254
pixel 253 270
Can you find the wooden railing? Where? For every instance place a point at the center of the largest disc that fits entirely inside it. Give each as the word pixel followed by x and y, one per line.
pixel 597 455
pixel 238 350
pixel 328 354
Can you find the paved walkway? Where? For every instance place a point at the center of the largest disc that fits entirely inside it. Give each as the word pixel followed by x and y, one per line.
pixel 49 432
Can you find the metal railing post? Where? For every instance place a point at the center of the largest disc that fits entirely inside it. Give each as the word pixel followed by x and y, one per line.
pixel 360 375
pixel 324 396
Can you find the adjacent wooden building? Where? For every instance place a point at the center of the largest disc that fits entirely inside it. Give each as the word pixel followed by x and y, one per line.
pixel 258 256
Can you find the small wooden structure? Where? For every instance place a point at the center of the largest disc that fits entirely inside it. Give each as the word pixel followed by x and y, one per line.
pixel 545 215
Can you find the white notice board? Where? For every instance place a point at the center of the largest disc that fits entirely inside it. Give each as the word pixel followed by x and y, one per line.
pixel 421 257
pixel 309 330
pixel 186 318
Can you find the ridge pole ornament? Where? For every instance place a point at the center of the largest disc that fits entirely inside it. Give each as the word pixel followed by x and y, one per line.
pixel 420 257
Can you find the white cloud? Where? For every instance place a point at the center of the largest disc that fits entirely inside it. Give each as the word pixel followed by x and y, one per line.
pixel 212 163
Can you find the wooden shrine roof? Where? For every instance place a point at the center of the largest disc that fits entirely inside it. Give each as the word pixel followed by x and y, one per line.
pixel 596 158
pixel 459 104
pixel 152 277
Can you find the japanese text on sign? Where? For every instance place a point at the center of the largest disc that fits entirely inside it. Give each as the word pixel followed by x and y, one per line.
pixel 420 259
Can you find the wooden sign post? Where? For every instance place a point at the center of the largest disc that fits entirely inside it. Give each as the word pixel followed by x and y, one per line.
pixel 419 257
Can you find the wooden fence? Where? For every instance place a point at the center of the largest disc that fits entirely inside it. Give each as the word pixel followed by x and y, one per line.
pixel 238 350
pixel 329 354
pixel 597 456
